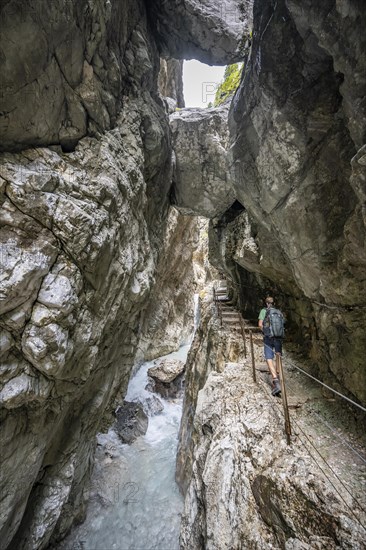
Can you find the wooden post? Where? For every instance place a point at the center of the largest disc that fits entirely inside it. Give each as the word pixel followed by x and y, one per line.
pixel 253 359
pixel 279 368
pixel 215 302
pixel 243 333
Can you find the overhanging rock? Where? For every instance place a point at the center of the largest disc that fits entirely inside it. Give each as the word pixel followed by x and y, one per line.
pixel 213 32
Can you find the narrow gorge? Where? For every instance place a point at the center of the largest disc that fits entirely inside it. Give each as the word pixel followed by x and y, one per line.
pixel 122 213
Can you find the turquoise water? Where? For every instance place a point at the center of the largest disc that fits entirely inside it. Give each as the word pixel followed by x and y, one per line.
pixel 134 502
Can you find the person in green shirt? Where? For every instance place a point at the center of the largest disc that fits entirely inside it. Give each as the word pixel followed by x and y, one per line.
pixel 272 346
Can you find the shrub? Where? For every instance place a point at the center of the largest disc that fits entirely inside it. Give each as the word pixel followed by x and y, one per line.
pixel 229 84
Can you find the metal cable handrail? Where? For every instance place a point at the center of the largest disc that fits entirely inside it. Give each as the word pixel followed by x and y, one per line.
pixel 272 403
pixel 332 429
pixel 309 440
pixel 326 386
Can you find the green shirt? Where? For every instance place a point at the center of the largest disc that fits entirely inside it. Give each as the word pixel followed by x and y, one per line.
pixel 262 314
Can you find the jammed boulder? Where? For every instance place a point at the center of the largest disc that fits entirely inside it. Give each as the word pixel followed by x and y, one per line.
pixel 201 181
pixel 131 421
pixel 167 377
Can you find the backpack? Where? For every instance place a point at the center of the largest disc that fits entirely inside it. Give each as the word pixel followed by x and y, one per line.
pixel 273 324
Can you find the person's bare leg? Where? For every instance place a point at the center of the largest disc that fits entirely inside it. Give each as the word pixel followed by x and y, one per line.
pixel 272 368
pixel 277 365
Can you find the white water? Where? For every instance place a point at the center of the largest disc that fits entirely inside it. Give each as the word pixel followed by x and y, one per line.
pixel 135 503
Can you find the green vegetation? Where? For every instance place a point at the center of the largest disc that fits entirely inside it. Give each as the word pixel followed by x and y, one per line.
pixel 229 84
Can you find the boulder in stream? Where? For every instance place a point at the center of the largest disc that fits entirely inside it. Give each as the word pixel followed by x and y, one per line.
pixel 152 405
pixel 167 377
pixel 131 421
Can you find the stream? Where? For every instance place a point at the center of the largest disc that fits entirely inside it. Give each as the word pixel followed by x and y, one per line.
pixel 134 502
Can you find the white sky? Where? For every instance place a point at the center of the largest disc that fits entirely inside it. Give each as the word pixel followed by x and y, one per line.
pixel 200 82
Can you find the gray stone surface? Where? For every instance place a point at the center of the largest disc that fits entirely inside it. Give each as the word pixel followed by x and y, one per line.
pixel 131 421
pixel 202 182
pixel 244 486
pixel 62 77
pixel 171 81
pixel 78 263
pixel 152 405
pixel 166 370
pixel 167 378
pixel 298 170
pixel 168 318
pixel 214 32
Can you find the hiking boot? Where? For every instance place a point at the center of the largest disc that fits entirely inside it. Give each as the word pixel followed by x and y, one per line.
pixel 276 387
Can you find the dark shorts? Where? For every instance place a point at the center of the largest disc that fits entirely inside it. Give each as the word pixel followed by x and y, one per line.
pixel 271 346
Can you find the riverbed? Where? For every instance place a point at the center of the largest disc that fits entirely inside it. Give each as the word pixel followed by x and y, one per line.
pixel 134 502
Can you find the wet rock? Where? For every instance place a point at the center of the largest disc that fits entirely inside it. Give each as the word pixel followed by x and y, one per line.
pixel 167 377
pixel 131 421
pixel 152 405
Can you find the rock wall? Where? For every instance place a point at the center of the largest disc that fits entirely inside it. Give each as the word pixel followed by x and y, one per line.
pixel 244 487
pixel 70 69
pixel 203 358
pixel 167 321
pixel 297 126
pixel 171 80
pixel 79 252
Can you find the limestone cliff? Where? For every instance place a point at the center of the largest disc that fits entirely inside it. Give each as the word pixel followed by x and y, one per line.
pixel 85 179
pixel 79 243
pixel 298 165
pixel 167 321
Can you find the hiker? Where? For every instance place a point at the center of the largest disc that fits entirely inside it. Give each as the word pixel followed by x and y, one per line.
pixel 271 322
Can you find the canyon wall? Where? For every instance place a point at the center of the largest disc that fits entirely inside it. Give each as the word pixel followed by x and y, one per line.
pixel 298 125
pixel 86 170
